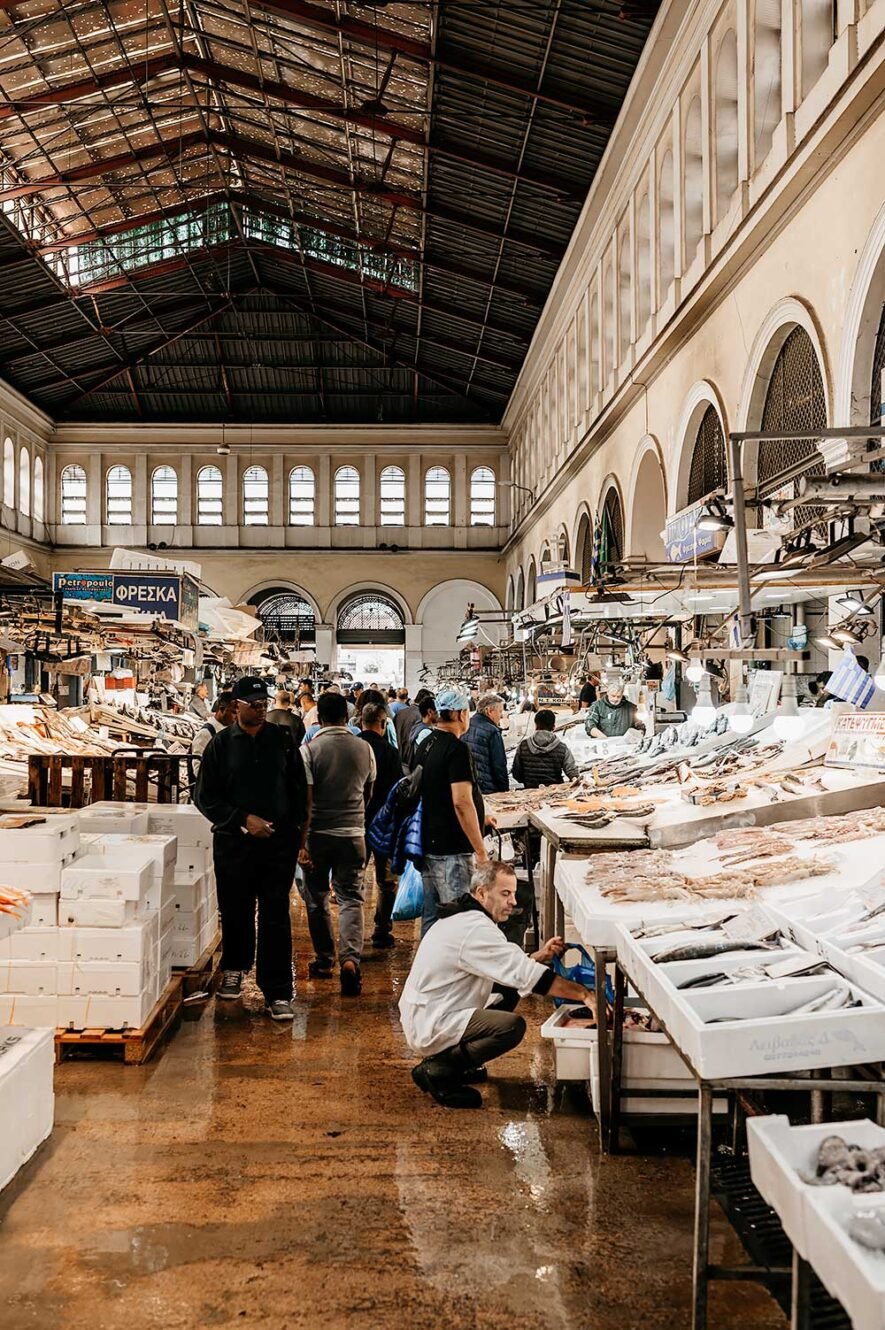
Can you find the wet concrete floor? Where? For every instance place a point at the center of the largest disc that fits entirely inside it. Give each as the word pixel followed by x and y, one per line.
pixel 281 1177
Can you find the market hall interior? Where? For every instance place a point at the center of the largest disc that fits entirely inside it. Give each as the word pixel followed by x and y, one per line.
pixel 281 1177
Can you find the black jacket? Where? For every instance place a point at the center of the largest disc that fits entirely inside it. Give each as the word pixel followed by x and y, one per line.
pixel 388 770
pixel 543 759
pixel 261 774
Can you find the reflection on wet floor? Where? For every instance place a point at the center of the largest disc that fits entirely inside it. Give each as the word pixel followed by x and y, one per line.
pixel 282 1177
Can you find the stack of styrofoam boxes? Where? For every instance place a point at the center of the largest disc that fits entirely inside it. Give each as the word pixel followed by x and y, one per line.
pixel 35 858
pixel 27 1099
pixel 196 910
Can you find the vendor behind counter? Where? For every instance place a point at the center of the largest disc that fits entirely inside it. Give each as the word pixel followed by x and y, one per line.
pixel 611 715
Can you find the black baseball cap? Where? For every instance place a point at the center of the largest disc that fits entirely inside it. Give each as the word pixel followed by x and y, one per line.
pixel 250 689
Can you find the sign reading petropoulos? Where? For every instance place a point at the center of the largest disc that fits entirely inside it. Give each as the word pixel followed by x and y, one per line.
pixel 162 595
pixel 685 542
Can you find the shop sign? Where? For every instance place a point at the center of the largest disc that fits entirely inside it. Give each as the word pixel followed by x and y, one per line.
pixel 857 741
pixel 84 586
pixel 685 542
pixel 162 595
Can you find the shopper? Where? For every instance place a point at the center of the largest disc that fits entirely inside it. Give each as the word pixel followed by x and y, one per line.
pixel 453 813
pixel 404 722
pixel 251 786
pixel 589 691
pixel 284 713
pixel 374 697
pixel 340 771
pixel 308 708
pixel 485 742
pixel 387 773
pixel 199 703
pixel 445 1008
pixel 542 758
pixel 223 714
pixel 424 728
pixel 399 702
pixel 610 717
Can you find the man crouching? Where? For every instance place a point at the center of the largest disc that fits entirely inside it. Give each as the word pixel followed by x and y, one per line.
pixel 457 1007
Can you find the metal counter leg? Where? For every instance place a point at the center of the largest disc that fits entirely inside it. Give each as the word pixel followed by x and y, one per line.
pixel 702 1208
pixel 603 1052
pixel 800 1303
pixel 558 907
pixel 530 872
pixel 617 1046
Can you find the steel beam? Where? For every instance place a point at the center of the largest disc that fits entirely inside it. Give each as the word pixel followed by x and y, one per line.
pixel 91 170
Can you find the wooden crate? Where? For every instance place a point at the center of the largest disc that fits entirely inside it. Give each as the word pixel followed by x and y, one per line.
pixel 205 975
pixel 141 777
pixel 132 1047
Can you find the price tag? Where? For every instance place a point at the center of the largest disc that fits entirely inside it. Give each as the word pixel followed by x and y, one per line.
pixel 792 965
pixel 751 926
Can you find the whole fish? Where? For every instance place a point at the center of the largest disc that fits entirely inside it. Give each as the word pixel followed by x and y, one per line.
pixel 700 950
pixel 834 999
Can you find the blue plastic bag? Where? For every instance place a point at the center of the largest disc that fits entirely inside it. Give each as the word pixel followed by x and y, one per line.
pixel 582 973
pixel 409 903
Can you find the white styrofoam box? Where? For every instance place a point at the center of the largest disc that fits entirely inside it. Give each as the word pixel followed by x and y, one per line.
pixel 35 1009
pixel 46 843
pixel 126 850
pixel 97 877
pixel 190 891
pixel 188 923
pixel 181 820
pixel 44 911
pixel 86 978
pixel 781 1155
pixel 96 913
pixel 27 1102
pixel 167 914
pixel 133 942
pixel 167 845
pixel 32 978
pixel 31 944
pixel 849 1271
pixel 40 878
pixel 111 1012
pixel 72 1011
pixel 115 817
pixel 749 1029
pixel 192 859
pixel 185 952
pixel 11 922
pixel 7 1003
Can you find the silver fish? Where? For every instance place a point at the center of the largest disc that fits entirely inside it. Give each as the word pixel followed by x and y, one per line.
pixel 834 999
pixel 700 950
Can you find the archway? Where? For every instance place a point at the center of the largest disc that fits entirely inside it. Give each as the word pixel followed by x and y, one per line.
pixel 442 612
pixel 709 467
pixel 648 509
pixel 584 548
pixel 370 637
pixel 531 583
pixel 610 544
pixel 859 396
pixel 286 614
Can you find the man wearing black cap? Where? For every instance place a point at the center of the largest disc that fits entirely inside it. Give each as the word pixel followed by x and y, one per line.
pixel 253 790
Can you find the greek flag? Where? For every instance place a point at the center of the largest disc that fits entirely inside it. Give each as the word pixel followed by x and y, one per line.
pixel 849 682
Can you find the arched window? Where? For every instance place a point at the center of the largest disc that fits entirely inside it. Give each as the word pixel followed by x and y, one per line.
pixel 795 402
pixel 286 616
pixel 584 550
pixel 302 496
pixel 164 496
pixel 118 496
pixel 39 499
pixel 256 496
pixel 437 497
pixel 766 75
pixel 818 19
pixel 877 395
pixel 519 594
pixel 8 473
pixel 694 180
pixel 625 296
pixel 531 584
pixel 24 482
pixel 562 550
pixel 611 530
pixel 643 263
pixel 482 497
pixel 667 227
pixel 370 618
pixel 508 603
pixel 210 496
pixel 708 466
pixel 726 124
pixel 393 496
pixel 608 320
pixel 347 496
pixel 73 496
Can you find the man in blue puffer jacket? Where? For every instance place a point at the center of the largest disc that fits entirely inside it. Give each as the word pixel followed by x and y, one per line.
pixel 485 742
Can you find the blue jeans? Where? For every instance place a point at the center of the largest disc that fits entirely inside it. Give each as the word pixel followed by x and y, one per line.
pixel 445 878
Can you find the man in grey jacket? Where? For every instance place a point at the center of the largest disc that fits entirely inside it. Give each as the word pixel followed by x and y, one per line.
pixel 542 758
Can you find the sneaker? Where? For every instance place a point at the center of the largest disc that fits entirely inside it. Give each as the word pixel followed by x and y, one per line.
pixel 351 979
pixel 448 1093
pixel 231 985
pixel 280 1010
pixel 320 970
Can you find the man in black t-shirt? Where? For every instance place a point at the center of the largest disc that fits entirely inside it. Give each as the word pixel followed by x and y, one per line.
pixel 589 692
pixel 453 813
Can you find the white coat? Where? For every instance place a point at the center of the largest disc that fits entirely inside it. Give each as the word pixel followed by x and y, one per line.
pixel 459 961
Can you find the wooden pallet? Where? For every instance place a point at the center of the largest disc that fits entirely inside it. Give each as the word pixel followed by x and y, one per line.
pixel 132 1047
pixel 205 975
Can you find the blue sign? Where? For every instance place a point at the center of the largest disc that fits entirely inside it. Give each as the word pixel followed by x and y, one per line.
pixel 685 542
pixel 84 586
pixel 161 595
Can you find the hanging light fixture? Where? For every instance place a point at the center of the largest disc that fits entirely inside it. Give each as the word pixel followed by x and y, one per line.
pixel 713 517
pixel 695 671
pixel 788 723
pixel 675 654
pixel 741 718
pixel 704 711
pixel 855 604
pixel 845 637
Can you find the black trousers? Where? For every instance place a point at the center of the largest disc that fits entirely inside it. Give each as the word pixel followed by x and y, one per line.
pixel 252 873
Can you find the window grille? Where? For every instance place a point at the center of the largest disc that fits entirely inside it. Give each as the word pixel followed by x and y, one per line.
pixel 709 470
pixel 370 619
pixel 73 496
pixel 302 496
pixel 795 401
pixel 393 496
pixel 118 496
pixel 287 617
pixel 611 537
pixel 482 497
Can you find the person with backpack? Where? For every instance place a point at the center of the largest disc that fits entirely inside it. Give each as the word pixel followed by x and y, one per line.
pixel 223 714
pixel 404 721
pixel 423 729
pixel 542 758
pixel 387 772
pixel 453 812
